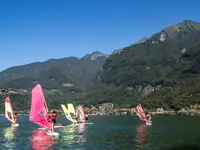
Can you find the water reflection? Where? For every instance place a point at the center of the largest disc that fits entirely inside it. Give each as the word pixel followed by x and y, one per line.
pixel 141 136
pixel 82 128
pixel 68 135
pixel 41 141
pixel 9 137
pixel 74 135
pixel 81 136
pixel 9 132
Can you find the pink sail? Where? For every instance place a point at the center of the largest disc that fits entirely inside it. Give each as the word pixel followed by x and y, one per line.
pixel 141 113
pixel 39 110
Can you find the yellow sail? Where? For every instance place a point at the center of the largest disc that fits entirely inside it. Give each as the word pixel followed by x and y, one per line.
pixel 70 112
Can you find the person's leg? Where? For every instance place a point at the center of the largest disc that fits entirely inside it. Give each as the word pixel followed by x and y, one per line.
pixel 53 123
pixel 52 126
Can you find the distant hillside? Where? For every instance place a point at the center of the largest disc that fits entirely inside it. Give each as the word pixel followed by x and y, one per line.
pixel 147 62
pixel 54 72
pixel 144 39
pixel 160 71
pixel 180 29
pixel 163 71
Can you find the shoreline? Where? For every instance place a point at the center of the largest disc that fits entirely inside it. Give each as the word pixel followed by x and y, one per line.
pixel 126 112
pixel 170 113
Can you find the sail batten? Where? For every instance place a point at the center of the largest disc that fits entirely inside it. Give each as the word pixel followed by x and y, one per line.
pixel 39 109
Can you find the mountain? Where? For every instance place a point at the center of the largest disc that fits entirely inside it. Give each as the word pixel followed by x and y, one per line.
pixel 95 55
pixel 183 28
pixel 142 40
pixel 117 51
pixel 54 72
pixel 163 71
pixel 146 63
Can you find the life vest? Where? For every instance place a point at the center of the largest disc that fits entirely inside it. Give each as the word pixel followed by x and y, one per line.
pixel 53 116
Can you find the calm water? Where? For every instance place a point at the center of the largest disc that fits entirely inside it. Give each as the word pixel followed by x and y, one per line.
pixel 107 133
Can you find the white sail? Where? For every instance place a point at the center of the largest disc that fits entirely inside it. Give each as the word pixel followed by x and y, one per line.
pixel 8 110
pixel 80 114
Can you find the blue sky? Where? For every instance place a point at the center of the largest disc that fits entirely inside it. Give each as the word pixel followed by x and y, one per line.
pixel 37 30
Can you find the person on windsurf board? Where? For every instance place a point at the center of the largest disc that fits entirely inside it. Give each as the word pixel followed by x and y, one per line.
pixel 81 118
pixel 141 114
pixel 15 118
pixel 148 118
pixel 39 113
pixel 9 114
pixel 53 120
pixel 75 116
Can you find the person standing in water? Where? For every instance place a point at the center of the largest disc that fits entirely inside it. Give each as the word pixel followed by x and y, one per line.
pixel 53 120
pixel 15 118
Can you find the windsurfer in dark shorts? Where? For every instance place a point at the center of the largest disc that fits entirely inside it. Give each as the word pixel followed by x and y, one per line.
pixel 15 118
pixel 53 120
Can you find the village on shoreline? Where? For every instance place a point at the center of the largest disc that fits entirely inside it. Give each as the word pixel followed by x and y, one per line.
pixel 108 109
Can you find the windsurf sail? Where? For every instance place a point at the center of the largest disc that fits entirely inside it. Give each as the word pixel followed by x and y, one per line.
pixel 39 109
pixel 141 113
pixel 80 114
pixel 70 112
pixel 8 110
pixel 71 109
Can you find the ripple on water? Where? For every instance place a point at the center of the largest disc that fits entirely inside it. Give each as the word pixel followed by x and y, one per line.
pixel 107 132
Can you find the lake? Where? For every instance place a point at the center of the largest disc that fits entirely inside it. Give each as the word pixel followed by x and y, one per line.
pixel 107 133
